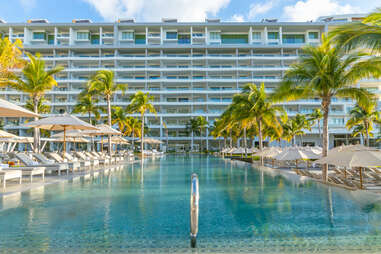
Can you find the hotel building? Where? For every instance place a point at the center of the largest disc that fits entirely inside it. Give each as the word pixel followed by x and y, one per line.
pixel 191 69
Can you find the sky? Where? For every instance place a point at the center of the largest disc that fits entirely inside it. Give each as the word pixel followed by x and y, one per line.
pixel 183 10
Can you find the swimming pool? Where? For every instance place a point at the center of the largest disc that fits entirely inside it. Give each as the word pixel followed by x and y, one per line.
pixel 241 210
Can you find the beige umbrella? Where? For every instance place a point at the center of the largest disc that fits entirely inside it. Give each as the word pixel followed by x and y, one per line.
pixel 353 157
pixel 295 154
pixel 102 129
pixel 269 152
pixel 63 122
pixel 151 141
pixel 8 109
pixel 71 134
pixel 71 139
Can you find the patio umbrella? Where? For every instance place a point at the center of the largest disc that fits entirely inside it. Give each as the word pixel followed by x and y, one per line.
pixel 353 157
pixel 295 154
pixel 4 134
pixel 102 129
pixel 63 122
pixel 8 109
pixel 269 152
pixel 151 141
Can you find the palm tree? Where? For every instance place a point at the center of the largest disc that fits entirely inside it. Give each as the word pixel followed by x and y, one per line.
pixel 103 83
pixel 326 72
pixel 365 34
pixel 316 117
pixel 295 127
pixel 365 116
pixel 202 126
pixel 264 111
pixel 118 116
pixel 192 128
pixel 36 82
pixel 141 103
pixel 10 58
pixel 133 128
pixel 87 104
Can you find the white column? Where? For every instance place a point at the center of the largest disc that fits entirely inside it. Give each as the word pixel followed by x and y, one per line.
pixel 161 35
pixel 55 35
pixel 250 35
pixel 280 35
pixel 26 35
pixel 265 35
pixel 206 36
pixel 10 33
pixel 100 35
pixel 71 36
pixel 191 35
pixel 146 35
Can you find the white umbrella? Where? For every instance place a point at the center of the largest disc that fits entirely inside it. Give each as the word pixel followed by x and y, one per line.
pixel 269 152
pixel 63 122
pixel 4 134
pixel 8 109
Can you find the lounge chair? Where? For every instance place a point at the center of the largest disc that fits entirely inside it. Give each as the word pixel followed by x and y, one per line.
pixel 83 157
pixel 33 164
pixel 83 163
pixel 10 174
pixel 44 160
pixel 102 160
pixel 74 165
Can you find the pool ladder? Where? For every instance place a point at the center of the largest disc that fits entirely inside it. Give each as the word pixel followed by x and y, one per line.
pixel 194 210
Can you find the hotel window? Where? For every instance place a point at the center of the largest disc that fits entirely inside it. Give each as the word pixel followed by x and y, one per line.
pixel 215 36
pixel 83 35
pixel 172 35
pixel 313 35
pixel 127 35
pixel 273 35
pixel 257 36
pixel 38 36
pixel 293 38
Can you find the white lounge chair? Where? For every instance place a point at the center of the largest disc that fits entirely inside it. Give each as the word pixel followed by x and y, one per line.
pixel 72 164
pixel 33 164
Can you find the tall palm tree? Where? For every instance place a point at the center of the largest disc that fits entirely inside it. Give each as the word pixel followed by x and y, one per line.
pixel 119 117
pixel 326 72
pixel 316 117
pixel 192 127
pixel 141 103
pixel 36 82
pixel 295 126
pixel 10 58
pixel 103 83
pixel 202 126
pixel 365 116
pixel 264 111
pixel 365 34
pixel 87 104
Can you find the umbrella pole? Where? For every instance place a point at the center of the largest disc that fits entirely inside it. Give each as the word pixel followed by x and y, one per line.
pixel 361 180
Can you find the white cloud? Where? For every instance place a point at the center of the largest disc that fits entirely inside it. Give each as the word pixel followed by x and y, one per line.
pixel 154 10
pixel 261 8
pixel 305 10
pixel 237 18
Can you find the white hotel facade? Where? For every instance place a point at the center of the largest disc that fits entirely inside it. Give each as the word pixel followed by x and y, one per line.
pixel 191 69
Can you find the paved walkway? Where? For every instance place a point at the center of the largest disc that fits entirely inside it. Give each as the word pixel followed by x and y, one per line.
pixel 14 188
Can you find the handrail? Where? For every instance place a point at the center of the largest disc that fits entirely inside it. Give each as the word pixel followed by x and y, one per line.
pixel 194 209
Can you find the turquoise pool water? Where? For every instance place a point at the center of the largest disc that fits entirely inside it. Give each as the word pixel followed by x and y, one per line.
pixel 241 210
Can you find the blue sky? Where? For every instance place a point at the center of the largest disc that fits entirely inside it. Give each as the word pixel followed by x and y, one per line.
pixel 185 10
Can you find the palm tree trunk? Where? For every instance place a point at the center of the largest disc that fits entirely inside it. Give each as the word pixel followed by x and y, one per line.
pixel 367 133
pixel 142 138
pixel 325 107
pixel 260 138
pixel 36 130
pixel 319 130
pixel 245 141
pixel 133 140
pixel 92 141
pixel 109 123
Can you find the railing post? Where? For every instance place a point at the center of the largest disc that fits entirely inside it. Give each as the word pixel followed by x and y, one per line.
pixel 194 209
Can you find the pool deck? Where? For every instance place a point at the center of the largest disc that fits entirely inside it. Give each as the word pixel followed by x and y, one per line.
pixel 13 187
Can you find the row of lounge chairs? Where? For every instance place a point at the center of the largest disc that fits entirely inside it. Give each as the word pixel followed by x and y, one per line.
pixel 39 164
pixel 349 178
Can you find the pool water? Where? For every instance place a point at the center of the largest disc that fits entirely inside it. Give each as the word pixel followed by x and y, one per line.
pixel 146 209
